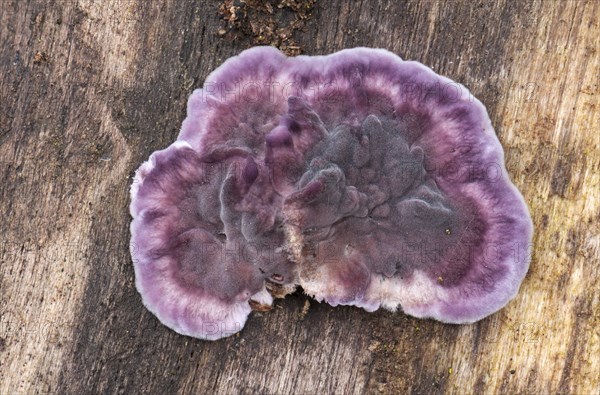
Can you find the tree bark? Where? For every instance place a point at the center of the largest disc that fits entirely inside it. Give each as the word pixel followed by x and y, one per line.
pixel 88 89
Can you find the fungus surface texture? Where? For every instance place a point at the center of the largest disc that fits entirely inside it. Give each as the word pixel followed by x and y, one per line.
pixel 365 179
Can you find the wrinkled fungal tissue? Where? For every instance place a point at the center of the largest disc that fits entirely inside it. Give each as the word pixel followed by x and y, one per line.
pixel 362 178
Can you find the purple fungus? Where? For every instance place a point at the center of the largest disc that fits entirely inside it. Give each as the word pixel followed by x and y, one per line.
pixel 365 179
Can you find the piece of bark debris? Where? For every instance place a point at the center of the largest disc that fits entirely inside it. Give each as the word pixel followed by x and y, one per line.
pixel 257 306
pixel 270 22
pixel 374 346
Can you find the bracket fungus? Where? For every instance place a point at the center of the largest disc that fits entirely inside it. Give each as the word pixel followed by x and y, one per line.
pixel 362 178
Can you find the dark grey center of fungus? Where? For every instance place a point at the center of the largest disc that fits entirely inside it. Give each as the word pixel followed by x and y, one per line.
pixel 366 194
pixel 356 200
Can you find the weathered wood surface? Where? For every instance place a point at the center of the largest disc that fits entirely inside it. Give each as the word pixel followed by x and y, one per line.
pixel 89 89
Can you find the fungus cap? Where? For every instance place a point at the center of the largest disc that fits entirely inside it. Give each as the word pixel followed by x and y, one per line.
pixel 365 179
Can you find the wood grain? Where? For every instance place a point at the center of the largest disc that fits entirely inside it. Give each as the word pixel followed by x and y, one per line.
pixel 88 89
